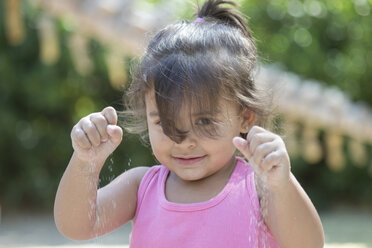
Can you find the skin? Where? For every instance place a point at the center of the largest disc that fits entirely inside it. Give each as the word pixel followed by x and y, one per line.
pixel 196 163
pixel 217 156
pixel 286 208
pixel 80 211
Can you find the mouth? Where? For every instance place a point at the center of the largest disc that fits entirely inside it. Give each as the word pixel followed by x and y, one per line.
pixel 189 160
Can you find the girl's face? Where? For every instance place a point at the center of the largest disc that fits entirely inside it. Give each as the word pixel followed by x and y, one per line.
pixel 196 157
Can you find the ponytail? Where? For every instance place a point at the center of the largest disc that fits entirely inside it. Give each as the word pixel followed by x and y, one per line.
pixel 213 9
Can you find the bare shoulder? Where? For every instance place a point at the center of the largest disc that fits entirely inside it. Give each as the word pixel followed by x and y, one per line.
pixel 123 192
pixel 133 175
pixel 127 182
pixel 137 173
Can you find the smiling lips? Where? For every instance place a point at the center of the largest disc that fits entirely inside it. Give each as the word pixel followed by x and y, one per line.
pixel 188 160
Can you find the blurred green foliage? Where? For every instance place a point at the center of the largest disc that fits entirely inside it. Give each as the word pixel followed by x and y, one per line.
pixel 326 40
pixel 329 41
pixel 39 105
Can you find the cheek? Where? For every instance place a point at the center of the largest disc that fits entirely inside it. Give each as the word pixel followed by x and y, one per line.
pixel 154 139
pixel 230 130
pixel 224 144
pixel 160 143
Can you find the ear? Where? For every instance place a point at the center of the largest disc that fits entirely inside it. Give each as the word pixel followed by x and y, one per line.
pixel 248 119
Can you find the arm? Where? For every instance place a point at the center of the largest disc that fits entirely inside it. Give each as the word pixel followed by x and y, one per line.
pixel 291 216
pixel 80 211
pixel 286 209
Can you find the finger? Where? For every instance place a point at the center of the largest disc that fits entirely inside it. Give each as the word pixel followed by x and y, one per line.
pixel 79 137
pixel 115 133
pixel 110 114
pixel 262 151
pixel 254 130
pixel 101 123
pixel 91 131
pixel 271 160
pixel 242 145
pixel 260 138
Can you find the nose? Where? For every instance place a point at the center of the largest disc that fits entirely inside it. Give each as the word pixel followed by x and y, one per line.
pixel 189 141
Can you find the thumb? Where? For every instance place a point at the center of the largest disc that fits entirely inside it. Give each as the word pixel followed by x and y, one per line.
pixel 243 146
pixel 115 133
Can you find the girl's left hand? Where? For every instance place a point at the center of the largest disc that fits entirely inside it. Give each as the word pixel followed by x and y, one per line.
pixel 267 154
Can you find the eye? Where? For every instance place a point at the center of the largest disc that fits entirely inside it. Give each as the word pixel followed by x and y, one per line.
pixel 158 122
pixel 204 121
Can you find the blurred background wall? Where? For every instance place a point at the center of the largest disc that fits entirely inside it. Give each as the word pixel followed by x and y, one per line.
pixel 61 60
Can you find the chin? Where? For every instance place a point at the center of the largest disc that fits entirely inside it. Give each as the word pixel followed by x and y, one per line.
pixel 191 177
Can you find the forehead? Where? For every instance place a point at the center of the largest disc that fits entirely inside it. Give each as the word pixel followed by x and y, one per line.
pixel 220 106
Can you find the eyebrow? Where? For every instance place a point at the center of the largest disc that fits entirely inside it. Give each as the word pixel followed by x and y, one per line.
pixel 206 113
pixel 156 114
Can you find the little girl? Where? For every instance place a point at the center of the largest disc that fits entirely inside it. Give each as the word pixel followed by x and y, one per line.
pixel 194 95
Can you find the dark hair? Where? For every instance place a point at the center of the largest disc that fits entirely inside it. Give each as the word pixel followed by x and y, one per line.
pixel 196 63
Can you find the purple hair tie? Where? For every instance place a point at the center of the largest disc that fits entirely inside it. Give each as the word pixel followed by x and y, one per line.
pixel 199 20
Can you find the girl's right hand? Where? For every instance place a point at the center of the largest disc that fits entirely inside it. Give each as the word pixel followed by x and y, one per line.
pixel 96 136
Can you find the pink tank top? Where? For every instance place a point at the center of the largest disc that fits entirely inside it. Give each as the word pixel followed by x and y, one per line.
pixel 230 219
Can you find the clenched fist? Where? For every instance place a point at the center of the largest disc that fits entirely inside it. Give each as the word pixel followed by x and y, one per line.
pixel 96 136
pixel 267 155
